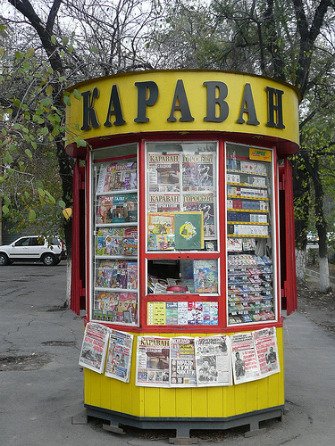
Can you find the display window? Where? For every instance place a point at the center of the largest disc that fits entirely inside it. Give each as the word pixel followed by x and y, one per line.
pixel 205 252
pixel 114 225
pixel 251 241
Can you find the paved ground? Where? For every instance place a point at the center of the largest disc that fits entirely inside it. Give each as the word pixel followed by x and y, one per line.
pixel 41 383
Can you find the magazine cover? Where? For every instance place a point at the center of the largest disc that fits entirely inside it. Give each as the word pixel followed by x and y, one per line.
pixel 103 210
pixel 189 231
pixel 124 208
pixel 198 171
pixel 202 202
pixel 213 361
pixel 267 351
pixel 94 347
pixel 152 361
pixel 116 274
pixel 160 231
pixel 244 358
pixel 119 351
pixel 182 362
pixel 205 273
pixel 116 241
pixel 120 175
pixel 119 308
pixel 163 172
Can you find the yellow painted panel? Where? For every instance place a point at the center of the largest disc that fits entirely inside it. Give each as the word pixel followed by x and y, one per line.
pixel 196 93
pixel 215 401
pixel 167 402
pixel 200 402
pixel 184 403
pixel 151 402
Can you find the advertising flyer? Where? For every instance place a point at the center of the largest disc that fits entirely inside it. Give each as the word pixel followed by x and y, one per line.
pixel 94 347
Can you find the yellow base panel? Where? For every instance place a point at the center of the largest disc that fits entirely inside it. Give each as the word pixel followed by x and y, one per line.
pixel 106 393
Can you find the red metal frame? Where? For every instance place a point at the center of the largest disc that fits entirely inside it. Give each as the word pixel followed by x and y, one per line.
pixel 221 255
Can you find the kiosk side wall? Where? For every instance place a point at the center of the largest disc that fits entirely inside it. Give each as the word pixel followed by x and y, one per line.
pixel 209 402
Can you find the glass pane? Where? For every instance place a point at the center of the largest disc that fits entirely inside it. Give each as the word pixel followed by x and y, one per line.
pixel 181 196
pixel 250 235
pixel 183 276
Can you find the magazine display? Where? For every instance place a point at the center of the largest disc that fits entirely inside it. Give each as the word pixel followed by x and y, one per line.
pixel 161 235
pixel 267 351
pixel 118 308
pixel 116 274
pixel 182 362
pixel 244 358
pixel 116 241
pixel 205 276
pixel 94 347
pixel 114 176
pixel 213 361
pixel 119 352
pixel 152 361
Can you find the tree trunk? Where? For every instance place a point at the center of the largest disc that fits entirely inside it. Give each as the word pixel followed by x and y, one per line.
pixel 301 258
pixel 324 283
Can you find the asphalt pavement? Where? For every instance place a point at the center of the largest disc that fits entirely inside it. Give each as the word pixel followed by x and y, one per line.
pixel 41 387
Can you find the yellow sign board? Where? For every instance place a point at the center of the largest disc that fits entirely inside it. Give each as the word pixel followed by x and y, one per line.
pixel 260 154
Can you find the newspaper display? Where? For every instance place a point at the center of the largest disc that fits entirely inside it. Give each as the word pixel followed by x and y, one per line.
pixel 213 361
pixel 119 355
pixel 267 351
pixel 182 362
pixel 163 202
pixel 163 172
pixel 94 347
pixel 244 358
pixel 152 361
pixel 198 171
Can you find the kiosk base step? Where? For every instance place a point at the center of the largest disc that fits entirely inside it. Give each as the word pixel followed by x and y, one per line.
pixel 115 421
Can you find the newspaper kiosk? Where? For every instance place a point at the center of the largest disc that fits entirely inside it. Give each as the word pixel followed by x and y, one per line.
pixel 189 245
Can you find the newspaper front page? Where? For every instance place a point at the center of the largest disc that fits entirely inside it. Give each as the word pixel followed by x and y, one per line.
pixel 267 351
pixel 94 347
pixel 182 362
pixel 244 358
pixel 213 361
pixel 119 355
pixel 152 362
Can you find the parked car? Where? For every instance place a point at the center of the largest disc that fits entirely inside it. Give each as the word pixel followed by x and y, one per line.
pixel 32 248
